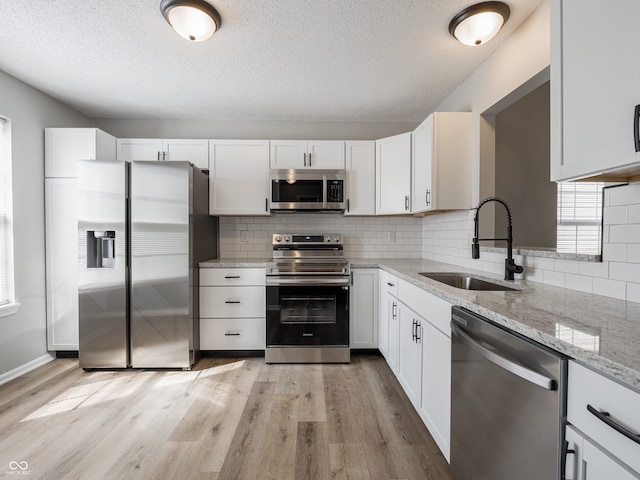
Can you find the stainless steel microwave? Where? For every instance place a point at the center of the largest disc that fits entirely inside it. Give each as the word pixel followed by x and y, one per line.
pixel 307 190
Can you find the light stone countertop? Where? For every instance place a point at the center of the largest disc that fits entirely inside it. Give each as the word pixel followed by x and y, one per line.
pixel 598 331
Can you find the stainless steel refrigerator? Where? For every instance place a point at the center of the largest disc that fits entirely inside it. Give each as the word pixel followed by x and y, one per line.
pixel 143 227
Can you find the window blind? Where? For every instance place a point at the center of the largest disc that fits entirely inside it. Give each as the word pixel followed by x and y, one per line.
pixel 579 217
pixel 5 191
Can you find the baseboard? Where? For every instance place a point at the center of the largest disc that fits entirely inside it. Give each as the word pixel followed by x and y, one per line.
pixel 26 368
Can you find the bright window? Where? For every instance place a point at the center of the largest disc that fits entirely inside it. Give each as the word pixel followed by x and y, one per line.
pixel 580 217
pixel 6 228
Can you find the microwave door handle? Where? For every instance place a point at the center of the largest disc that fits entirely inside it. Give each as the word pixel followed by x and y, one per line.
pixel 512 367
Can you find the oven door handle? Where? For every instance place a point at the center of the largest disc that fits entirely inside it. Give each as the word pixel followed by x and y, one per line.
pixel 512 367
pixel 308 281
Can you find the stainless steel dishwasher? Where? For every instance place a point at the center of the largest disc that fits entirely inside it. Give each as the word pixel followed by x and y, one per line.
pixel 508 402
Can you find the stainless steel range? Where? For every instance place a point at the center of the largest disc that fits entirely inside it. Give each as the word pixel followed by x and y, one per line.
pixel 307 300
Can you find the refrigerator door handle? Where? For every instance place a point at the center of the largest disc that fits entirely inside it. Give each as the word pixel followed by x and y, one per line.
pixel 519 370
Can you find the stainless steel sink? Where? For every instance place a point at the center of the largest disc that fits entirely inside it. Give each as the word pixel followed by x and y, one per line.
pixel 466 282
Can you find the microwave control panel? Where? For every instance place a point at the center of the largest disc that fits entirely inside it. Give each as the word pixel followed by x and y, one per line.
pixel 335 190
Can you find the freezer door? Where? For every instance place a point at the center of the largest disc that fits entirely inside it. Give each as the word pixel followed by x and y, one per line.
pixel 161 306
pixel 102 264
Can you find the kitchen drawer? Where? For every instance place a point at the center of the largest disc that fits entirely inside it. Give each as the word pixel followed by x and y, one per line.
pixel 587 387
pixel 388 283
pixel 231 276
pixel 232 302
pixel 232 333
pixel 432 308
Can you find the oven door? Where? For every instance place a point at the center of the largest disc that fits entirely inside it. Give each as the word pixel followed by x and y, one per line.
pixel 307 315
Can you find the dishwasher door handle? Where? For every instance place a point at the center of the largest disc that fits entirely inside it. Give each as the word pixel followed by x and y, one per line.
pixel 515 368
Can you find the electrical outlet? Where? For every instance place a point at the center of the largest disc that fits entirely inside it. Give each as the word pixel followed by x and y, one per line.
pixel 392 237
pixel 244 236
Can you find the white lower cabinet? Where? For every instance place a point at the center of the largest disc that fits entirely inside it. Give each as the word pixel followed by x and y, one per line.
pixel 410 354
pixel 599 410
pixel 415 339
pixel 363 305
pixel 232 309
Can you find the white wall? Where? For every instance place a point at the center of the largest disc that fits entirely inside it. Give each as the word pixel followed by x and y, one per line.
pixel 365 237
pixel 23 335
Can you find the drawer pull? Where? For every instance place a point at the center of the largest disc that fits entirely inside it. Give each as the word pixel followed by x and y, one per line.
pixel 390 284
pixel 606 418
pixel 236 334
pixel 232 301
pixel 232 276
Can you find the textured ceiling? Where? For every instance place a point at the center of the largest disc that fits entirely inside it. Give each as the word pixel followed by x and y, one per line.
pixel 350 60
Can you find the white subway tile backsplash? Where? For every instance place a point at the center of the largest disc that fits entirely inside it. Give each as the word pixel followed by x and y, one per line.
pixel 609 288
pixel 557 279
pixel 544 263
pixel 579 282
pixel 566 266
pixel 628 272
pixel 633 215
pixel 614 252
pixel 633 292
pixel 615 215
pixel 633 253
pixel 624 233
pixel 594 269
pixel 624 195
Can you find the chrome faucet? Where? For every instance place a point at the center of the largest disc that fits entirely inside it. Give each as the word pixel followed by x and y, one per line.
pixel 510 266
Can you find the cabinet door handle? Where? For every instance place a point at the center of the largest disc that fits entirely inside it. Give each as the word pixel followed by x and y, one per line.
pixel 406 202
pixel 266 204
pixel 164 156
pixel 158 156
pixel 305 159
pixel 393 310
pixel 390 284
pixel 309 158
pixel 418 327
pixel 232 301
pixel 230 334
pixel 427 197
pixel 413 330
pixel 606 418
pixel 348 204
pixel 565 453
pixel 636 127
pixel 232 276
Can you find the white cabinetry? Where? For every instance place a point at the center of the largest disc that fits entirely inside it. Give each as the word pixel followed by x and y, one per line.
pixel 441 162
pixel 434 397
pixel 361 178
pixel 194 151
pixel 410 361
pixel 389 324
pixel 363 306
pixel 317 154
pixel 63 147
pixel 232 309
pixel 239 177
pixel 595 87
pixel 599 410
pixel 393 174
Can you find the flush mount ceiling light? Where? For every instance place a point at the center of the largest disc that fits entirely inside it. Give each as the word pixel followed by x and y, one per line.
pixel 195 20
pixel 477 24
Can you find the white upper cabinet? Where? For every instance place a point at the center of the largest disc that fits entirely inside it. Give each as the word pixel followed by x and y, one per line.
pixel 239 177
pixel 65 146
pixel 393 174
pixel 441 162
pixel 361 178
pixel 316 154
pixel 595 87
pixel 194 151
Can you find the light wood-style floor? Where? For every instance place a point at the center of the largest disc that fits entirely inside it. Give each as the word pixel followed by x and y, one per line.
pixel 226 419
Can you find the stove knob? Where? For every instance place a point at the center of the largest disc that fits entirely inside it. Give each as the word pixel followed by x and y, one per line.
pixel 287 238
pixel 327 239
pixel 278 238
pixel 336 239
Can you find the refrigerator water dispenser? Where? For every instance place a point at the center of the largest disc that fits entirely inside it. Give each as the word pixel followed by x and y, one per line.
pixel 101 251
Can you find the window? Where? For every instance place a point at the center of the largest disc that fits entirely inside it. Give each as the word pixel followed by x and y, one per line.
pixel 6 228
pixel 580 217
